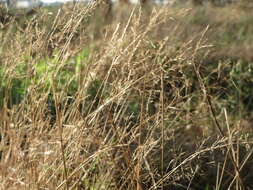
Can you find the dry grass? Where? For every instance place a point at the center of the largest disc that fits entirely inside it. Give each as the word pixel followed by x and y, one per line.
pixel 129 103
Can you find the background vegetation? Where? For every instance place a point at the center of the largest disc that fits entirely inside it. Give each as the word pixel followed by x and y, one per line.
pixel 138 98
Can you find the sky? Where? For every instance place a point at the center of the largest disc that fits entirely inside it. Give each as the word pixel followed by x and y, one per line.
pixel 64 1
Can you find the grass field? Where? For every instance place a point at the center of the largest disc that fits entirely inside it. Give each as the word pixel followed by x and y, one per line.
pixel 141 98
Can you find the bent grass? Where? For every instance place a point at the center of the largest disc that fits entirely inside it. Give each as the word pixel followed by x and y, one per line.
pixel 124 105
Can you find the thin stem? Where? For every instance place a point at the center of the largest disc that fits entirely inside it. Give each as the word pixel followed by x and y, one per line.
pixel 59 124
pixel 162 124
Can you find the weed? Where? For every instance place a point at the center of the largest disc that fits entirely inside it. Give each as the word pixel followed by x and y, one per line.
pixel 151 99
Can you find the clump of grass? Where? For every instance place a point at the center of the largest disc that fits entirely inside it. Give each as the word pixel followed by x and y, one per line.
pixel 120 104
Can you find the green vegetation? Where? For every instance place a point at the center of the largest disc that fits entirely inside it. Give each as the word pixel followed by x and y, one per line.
pixel 146 98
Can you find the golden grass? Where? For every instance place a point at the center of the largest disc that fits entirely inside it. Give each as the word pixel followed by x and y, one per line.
pixel 118 104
